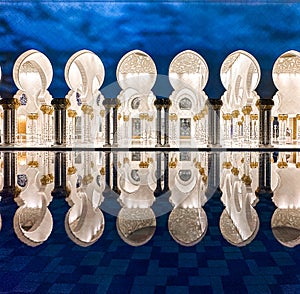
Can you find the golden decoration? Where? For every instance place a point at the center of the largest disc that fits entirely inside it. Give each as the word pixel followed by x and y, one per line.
pixel 144 164
pixel 102 112
pixel 72 170
pixel 143 116
pixel 235 171
pixel 247 180
pixel 126 117
pixel 202 171
pixel 33 163
pixel 282 117
pixel 297 164
pixel 227 164
pixel 254 116
pixel 45 108
pixel 33 116
pixel 102 171
pixel 253 164
pixel 173 117
pixel 282 164
pixel 227 116
pixel 235 114
pixel 247 110
pixel 45 179
pixel 87 179
pixel 51 177
pixel 72 113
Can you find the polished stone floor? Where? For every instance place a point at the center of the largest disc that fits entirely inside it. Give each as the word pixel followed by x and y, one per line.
pixel 160 266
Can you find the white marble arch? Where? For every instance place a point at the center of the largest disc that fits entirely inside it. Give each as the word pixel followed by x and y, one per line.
pixel 188 75
pixel 286 77
pixel 240 75
pixel 84 75
pixel 136 75
pixel 32 74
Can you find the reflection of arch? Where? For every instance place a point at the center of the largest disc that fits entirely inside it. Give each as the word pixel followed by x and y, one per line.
pixel 33 225
pixel 239 222
pixel 285 225
pixel 187 226
pixel 84 224
pixel 136 226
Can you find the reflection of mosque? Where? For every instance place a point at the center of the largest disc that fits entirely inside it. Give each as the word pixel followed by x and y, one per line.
pixel 137 187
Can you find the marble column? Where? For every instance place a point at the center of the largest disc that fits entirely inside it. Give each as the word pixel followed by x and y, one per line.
pixel 60 106
pixel 158 104
pixel 167 104
pixel 10 106
pixel 116 105
pixel 214 106
pixel 108 103
pixel 264 106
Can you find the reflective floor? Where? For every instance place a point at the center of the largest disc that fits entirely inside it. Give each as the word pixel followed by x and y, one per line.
pixel 157 222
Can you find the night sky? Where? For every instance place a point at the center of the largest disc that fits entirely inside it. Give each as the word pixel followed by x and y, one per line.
pixel 162 29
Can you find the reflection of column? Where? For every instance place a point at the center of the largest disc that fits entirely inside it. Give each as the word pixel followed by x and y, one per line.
pixel 166 172
pixel 107 169
pixel 213 180
pixel 214 106
pixel 10 190
pixel 158 191
pixel 115 187
pixel 264 106
pixel 9 106
pixel 60 130
pixel 167 103
pixel 158 105
pixel 116 105
pixel 107 103
pixel 60 181
pixel 264 177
